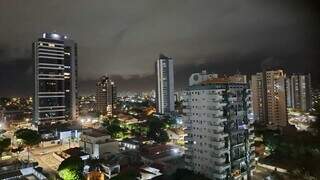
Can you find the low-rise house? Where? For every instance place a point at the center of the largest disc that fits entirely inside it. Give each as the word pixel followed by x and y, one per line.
pixel 130 144
pixel 176 135
pixel 98 144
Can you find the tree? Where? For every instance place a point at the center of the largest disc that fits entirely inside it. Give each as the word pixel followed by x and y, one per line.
pixel 71 169
pixel 156 131
pixel 29 138
pixel 4 144
pixel 185 174
pixel 169 121
pixel 113 127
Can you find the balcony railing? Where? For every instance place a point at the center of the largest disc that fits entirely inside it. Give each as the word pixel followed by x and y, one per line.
pixel 221 168
pixel 222 175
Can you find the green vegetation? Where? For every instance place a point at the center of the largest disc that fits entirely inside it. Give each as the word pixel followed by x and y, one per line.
pixel 157 131
pixel 184 174
pixel 298 152
pixel 114 128
pixel 138 129
pixel 4 144
pixel 168 122
pixel 29 138
pixel 71 169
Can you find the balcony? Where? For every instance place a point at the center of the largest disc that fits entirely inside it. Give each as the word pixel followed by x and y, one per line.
pixel 221 135
pixel 189 151
pixel 219 153
pixel 219 143
pixel 251 136
pixel 252 156
pixel 221 167
pixel 216 114
pixel 186 111
pixel 218 120
pixel 219 146
pixel 241 113
pixel 214 95
pixel 239 159
pixel 185 103
pixel 252 148
pixel 217 129
pixel 237 144
pixel 222 175
pixel 232 99
pixel 187 138
pixel 220 159
pixel 215 107
pixel 215 98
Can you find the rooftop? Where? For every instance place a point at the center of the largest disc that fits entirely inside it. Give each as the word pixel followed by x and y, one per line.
pixel 95 133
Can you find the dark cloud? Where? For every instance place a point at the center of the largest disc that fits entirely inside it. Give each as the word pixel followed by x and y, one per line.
pixel 124 38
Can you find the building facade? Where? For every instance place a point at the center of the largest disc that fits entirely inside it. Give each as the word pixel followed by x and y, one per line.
pixel 269 98
pixel 97 144
pixel 165 85
pixel 299 94
pixel 106 96
pixel 219 126
pixel 55 80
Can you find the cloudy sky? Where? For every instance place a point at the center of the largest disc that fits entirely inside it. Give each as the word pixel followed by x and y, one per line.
pixel 124 38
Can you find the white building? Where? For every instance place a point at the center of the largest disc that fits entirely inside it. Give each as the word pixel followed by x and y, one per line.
pixel 97 144
pixel 23 173
pixel 219 126
pixel 165 85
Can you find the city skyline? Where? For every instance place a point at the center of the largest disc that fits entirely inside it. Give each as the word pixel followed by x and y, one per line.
pixel 168 90
pixel 123 42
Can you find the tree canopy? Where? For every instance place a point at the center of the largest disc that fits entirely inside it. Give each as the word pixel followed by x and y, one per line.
pixel 157 131
pixel 71 169
pixel 29 137
pixel 113 127
pixel 4 144
pixel 185 174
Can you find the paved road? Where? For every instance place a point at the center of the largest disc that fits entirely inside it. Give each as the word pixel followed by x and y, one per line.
pixel 261 173
pixel 44 156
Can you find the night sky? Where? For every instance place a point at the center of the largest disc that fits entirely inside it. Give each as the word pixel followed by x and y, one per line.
pixel 124 38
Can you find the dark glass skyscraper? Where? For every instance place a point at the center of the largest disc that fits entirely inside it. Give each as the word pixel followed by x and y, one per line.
pixel 55 80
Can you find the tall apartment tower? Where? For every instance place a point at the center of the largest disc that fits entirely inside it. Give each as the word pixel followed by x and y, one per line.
pixel 269 98
pixel 299 92
pixel 219 125
pixel 165 85
pixel 106 96
pixel 55 80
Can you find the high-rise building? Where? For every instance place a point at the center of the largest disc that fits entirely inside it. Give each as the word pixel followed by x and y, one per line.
pixel 298 89
pixel 55 80
pixel 106 96
pixel 165 85
pixel 269 98
pixel 219 126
